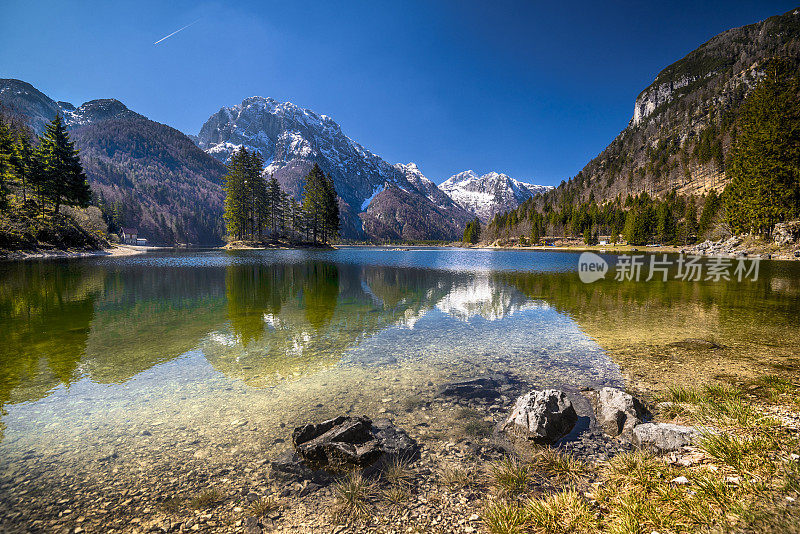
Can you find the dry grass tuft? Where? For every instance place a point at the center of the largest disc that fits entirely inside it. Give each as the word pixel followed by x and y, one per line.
pixel 561 513
pixel 353 494
pixel 206 499
pixel 504 517
pixel 265 506
pixel 561 465
pixel 510 476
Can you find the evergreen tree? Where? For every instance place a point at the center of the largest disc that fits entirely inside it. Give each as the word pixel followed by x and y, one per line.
pixel 235 195
pixel 331 208
pixel 764 166
pixel 65 181
pixel 319 202
pixel 274 201
pixel 7 174
pixel 472 232
pixel 710 208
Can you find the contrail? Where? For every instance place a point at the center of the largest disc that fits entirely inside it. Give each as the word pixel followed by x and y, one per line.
pixel 176 31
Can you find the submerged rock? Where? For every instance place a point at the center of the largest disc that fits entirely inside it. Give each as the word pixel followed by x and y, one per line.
pixel 543 417
pixel 488 387
pixel 663 437
pixel 346 442
pixel 618 412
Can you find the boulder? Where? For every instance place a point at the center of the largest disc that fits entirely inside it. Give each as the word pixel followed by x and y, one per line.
pixel 663 437
pixel 543 417
pixel 618 412
pixel 346 442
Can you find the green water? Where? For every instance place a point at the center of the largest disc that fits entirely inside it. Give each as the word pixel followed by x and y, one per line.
pixel 197 358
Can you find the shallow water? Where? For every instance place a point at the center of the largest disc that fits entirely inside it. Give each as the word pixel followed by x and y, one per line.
pixel 170 361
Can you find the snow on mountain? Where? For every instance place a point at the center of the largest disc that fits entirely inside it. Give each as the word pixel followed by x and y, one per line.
pixel 490 194
pixel 374 193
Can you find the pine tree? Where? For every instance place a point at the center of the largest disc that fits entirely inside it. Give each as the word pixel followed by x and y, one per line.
pixel 764 166
pixel 315 202
pixel 235 195
pixel 472 232
pixel 331 210
pixel 65 181
pixel 274 201
pixel 7 170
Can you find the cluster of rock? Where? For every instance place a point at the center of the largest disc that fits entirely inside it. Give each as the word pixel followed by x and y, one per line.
pixel 787 233
pixel 547 416
pixel 716 248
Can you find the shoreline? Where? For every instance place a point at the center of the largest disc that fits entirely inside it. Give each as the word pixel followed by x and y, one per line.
pixel 113 251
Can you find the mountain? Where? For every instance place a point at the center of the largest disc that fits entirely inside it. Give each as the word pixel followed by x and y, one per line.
pixel 490 194
pixel 154 176
pixel 683 123
pixel 378 200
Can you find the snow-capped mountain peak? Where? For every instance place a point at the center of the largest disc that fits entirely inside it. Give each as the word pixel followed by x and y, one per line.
pixel 489 194
pixel 377 197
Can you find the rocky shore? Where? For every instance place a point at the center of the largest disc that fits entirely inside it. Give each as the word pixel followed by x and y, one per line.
pixel 359 474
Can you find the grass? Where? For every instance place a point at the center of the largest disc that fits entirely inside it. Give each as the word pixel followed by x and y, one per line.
pixel 504 517
pixel 454 476
pixel 206 499
pixel 561 513
pixel 264 506
pixel 398 471
pixel 353 494
pixel 741 453
pixel 561 465
pixel 396 496
pixel 510 476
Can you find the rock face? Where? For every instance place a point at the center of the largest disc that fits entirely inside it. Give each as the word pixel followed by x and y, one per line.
pixel 350 442
pixel 543 417
pixel 663 437
pixel 618 412
pixel 490 194
pixel 786 233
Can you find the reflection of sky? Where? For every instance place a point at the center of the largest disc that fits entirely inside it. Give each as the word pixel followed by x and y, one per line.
pixel 448 259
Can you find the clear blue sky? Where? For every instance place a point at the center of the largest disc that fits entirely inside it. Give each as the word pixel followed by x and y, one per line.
pixel 530 88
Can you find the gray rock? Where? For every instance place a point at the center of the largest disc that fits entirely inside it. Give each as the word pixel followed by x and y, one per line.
pixel 350 442
pixel 543 417
pixel 786 233
pixel 663 437
pixel 618 412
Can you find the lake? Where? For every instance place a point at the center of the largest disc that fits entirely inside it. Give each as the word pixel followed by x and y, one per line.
pixel 179 367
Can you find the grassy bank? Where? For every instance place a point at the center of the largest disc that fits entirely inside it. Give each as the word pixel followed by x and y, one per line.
pixel 743 476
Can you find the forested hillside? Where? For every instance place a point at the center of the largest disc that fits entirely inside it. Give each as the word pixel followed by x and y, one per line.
pixel 144 174
pixel 729 107
pixel 150 176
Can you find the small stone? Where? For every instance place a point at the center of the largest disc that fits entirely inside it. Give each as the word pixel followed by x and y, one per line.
pixel 474 517
pixel 663 437
pixel 680 480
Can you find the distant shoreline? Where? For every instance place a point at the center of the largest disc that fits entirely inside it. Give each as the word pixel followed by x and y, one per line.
pixel 113 251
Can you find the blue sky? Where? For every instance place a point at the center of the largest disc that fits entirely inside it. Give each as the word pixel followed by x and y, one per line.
pixel 533 89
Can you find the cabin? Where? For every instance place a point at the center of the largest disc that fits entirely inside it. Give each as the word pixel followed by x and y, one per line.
pixel 142 242
pixel 129 236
